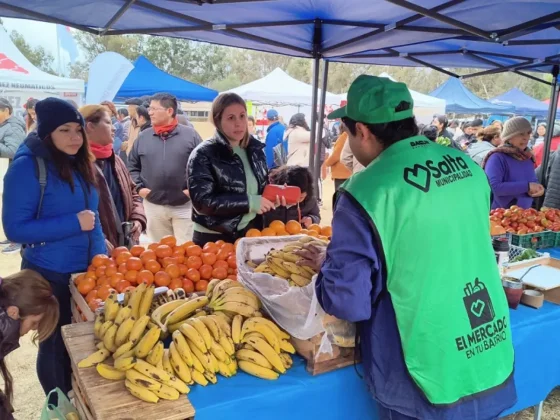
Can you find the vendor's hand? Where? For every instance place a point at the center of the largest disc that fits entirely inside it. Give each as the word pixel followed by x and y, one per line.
pixel 266 206
pixel 144 192
pixel 87 220
pixel 535 189
pixel 136 230
pixel 280 201
pixel 313 255
pixel 124 146
pixel 307 221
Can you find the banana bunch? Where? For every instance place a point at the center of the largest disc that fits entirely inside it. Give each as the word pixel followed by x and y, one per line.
pixel 264 348
pixel 230 297
pixel 171 315
pixel 283 263
pixel 169 296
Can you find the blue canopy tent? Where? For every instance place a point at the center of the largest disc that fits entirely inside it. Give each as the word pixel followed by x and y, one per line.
pixel 523 103
pixel 146 79
pixel 498 36
pixel 460 100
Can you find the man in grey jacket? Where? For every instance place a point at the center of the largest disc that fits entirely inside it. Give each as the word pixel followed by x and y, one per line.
pixel 158 166
pixel 12 130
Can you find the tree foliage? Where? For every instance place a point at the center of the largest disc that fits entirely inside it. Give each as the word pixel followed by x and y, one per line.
pixel 38 56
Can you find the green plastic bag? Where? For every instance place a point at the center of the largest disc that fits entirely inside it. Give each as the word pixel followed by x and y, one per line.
pixel 64 410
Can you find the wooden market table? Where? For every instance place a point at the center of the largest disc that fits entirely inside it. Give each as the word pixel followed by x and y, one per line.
pixel 97 398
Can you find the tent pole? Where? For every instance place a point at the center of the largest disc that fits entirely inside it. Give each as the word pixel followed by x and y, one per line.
pixel 313 126
pixel 550 128
pixel 317 171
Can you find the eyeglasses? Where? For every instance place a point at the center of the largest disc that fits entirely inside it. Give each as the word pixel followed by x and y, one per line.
pixel 155 109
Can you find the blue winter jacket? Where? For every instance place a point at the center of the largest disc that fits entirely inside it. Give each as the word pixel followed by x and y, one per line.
pixel 59 244
pixel 275 135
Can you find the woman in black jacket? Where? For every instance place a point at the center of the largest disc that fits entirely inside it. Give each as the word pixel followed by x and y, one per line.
pixel 227 175
pixel 306 211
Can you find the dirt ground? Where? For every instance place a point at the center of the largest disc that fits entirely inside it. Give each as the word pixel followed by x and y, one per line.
pixel 28 394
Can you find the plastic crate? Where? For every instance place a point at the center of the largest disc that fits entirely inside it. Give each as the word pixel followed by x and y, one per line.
pixel 533 240
pixel 556 238
pixel 515 251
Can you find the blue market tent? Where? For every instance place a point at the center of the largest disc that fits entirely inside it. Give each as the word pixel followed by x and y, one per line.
pixel 523 103
pixel 460 100
pixel 146 79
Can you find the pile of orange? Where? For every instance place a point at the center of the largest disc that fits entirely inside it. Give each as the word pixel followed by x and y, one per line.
pixel 163 264
pixel 292 227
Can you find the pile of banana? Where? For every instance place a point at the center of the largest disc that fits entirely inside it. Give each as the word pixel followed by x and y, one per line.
pixel 283 263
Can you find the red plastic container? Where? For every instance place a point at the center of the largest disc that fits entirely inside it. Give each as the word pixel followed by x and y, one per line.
pixel 291 194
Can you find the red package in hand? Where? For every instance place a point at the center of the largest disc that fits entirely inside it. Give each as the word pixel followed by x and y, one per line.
pixel 291 194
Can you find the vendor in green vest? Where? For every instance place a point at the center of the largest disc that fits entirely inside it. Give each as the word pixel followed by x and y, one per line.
pixel 422 285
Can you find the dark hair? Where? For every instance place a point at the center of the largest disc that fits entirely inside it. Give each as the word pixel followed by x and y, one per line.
pixel 143 112
pixel 5 104
pixel 488 133
pixel 30 104
pixel 298 120
pixel 123 112
pixel 167 101
pixel 111 107
pixel 219 106
pixel 29 122
pixel 252 119
pixel 391 132
pixel 430 131
pixel 442 119
pixel 295 176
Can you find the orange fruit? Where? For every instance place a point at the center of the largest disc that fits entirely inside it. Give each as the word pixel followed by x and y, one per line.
pixel 163 251
pixel 153 266
pixel 104 292
pixel 122 268
pixel 209 258
pixel 99 260
pixel 268 232
pixel 313 233
pixel 179 258
pixel 86 285
pixel 137 250
pixel 183 269
pixel 100 271
pixel 121 285
pixel 94 304
pixel 103 280
pixel 228 247
pixel 206 271
pixel 187 244
pixel 193 275
pixel 277 225
pixel 175 284
pixel 91 268
pixel 169 240
pixel 90 275
pixel 110 270
pixel 118 250
pixel 219 273
pixel 145 276
pixel 111 263
pixel 326 231
pixel 223 254
pixel 179 250
pixel 148 255
pixel 194 251
pixel 253 233
pixel 315 227
pixel 293 227
pixel 91 295
pixel 131 276
pixel 188 285
pixel 210 247
pixel 304 232
pixel 129 289
pixel 162 279
pixel 169 261
pixel 220 242
pixel 232 262
pixel 115 278
pixel 153 246
pixel 134 263
pixel 282 233
pixel 123 257
pixel 201 286
pixel 173 271
pixel 78 278
pixel 194 262
pixel 221 264
pixel 232 277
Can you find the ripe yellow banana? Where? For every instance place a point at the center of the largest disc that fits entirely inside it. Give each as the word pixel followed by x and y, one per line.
pixel 252 325
pixel 281 334
pixel 138 329
pixel 146 301
pixel 198 313
pixel 212 326
pixel 141 392
pixel 142 380
pixel 223 321
pixel 300 280
pixel 99 345
pixel 103 330
pixel 197 364
pixel 210 288
pixel 94 358
pixel 147 342
pixel 109 338
pixel 291 257
pixel 160 314
pixel 151 371
pixel 291 267
pixel 182 347
pixel 309 270
pixel 291 248
pixel 202 330
pixel 202 357
pixel 236 328
pixel 263 268
pixel 251 264
pixel 187 308
pixel 179 366
pixel 124 330
pixel 166 363
pixel 123 314
pixel 224 370
pixel 287 360
pixel 124 348
pixel 253 357
pixel 167 393
pixel 215 363
pixel 109 372
pixel 219 352
pixel 171 328
pixel 136 299
pixel 238 295
pixel 287 347
pixel 111 307
pixel 222 286
pixel 266 350
pixel 178 384
pixel 125 363
pixel 227 345
pixel 97 326
pixel 256 370
pixel 126 298
pixel 199 377
pixel 192 334
pixel 156 354
pixel 277 269
pixel 211 376
pixel 233 367
pixel 236 308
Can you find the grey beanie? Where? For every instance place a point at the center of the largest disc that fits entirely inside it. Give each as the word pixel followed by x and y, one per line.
pixel 516 125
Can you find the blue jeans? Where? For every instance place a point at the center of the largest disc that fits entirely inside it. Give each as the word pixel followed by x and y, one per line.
pixel 386 414
pixel 53 363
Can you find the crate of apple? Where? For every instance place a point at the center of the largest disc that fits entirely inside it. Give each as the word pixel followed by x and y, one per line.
pixel 525 221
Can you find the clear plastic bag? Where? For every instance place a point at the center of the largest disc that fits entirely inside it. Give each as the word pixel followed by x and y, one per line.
pixel 64 410
pixel 295 309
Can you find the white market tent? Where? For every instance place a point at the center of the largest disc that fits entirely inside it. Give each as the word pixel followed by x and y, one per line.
pixel 20 80
pixel 425 106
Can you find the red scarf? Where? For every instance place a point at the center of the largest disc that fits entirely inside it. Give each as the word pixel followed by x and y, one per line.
pixel 101 152
pixel 166 129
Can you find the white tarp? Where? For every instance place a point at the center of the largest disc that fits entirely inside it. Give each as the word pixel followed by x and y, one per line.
pixel 278 88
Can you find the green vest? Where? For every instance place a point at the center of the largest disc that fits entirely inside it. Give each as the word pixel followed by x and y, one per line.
pixel 428 206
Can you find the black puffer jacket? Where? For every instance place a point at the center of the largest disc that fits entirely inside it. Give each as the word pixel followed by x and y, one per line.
pixel 9 341
pixel 217 183
pixel 552 194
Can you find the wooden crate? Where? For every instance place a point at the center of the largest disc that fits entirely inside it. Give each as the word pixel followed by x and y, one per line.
pixel 80 309
pixel 97 398
pixel 322 363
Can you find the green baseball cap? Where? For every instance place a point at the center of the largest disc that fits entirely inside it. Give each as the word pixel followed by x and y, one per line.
pixel 373 100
